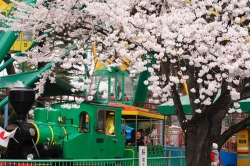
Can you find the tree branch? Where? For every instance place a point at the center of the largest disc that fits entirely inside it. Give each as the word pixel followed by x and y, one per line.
pixel 234 129
pixel 178 106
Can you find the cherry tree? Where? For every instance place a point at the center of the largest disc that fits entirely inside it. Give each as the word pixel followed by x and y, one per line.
pixel 204 43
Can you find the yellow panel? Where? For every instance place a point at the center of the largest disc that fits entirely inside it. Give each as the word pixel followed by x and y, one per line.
pixel 242 139
pixel 20 44
pixel 16 46
pixel 2 4
pixel 242 148
pixel 25 45
pixel 242 162
pixel 98 64
pixel 4 8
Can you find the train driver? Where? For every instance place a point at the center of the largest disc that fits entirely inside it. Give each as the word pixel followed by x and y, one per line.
pixel 110 128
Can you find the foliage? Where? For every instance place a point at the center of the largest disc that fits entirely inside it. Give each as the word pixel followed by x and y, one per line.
pixel 59 72
pixel 204 43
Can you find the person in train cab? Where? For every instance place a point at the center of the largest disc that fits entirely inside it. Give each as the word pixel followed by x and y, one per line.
pixel 130 141
pixel 110 128
pixel 139 141
pixel 112 97
pixel 119 93
pixel 143 137
pixel 215 156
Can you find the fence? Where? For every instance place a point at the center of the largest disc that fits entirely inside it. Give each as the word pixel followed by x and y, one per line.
pixel 154 161
pixel 173 136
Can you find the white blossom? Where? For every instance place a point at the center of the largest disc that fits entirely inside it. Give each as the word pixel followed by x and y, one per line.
pixel 198 111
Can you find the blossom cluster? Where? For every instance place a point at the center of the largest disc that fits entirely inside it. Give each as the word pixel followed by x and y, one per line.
pixel 211 37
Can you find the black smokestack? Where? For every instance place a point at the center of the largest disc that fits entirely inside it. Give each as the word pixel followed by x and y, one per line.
pixel 21 99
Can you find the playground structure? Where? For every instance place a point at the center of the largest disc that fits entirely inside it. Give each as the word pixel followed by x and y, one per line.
pixel 57 133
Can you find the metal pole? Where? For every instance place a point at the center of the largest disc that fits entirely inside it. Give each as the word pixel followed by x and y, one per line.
pixel 163 133
pixel 135 130
pixel 151 138
pixel 6 110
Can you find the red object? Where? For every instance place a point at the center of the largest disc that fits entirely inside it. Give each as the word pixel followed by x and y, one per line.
pixel 212 158
pixel 16 164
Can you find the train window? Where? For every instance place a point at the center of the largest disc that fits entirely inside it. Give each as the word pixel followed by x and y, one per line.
pixel 106 122
pixel 93 88
pixel 110 123
pixel 112 88
pixel 103 88
pixel 119 88
pixel 128 89
pixel 27 35
pixel 100 121
pixel 84 122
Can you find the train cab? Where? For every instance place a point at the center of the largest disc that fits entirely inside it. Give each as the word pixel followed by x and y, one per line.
pixel 111 85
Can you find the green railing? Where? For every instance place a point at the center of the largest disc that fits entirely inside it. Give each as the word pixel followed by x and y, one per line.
pixel 154 161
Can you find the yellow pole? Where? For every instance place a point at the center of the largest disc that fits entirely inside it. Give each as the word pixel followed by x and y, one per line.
pixel 242 148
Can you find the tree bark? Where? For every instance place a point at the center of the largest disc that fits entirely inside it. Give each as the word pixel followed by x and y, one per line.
pixel 197 141
pixel 9 69
pixel 169 120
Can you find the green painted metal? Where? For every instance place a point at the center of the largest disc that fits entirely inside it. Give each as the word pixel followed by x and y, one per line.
pixel 165 109
pixel 92 144
pixel 29 78
pixel 6 41
pixel 32 78
pixel 121 77
pixel 7 38
pixel 59 88
pixel 40 115
pixel 152 151
pixel 6 64
pixel 11 60
pixel 159 161
pixel 53 115
pixel 141 89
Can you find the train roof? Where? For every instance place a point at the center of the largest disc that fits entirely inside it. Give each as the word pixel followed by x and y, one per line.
pixel 132 113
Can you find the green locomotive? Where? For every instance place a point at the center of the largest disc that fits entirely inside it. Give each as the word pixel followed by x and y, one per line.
pixel 78 132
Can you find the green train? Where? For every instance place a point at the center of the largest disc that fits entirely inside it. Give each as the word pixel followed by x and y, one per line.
pixel 78 132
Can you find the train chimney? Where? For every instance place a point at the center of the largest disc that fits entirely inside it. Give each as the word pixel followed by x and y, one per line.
pixel 21 99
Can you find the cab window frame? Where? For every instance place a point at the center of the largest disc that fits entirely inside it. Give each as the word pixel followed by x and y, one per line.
pixel 83 121
pixel 103 120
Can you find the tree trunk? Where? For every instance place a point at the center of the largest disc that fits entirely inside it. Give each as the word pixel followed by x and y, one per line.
pixel 40 100
pixel 9 69
pixel 197 141
pixel 169 120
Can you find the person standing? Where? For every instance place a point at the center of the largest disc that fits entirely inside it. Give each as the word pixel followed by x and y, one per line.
pixel 139 141
pixel 215 156
pixel 110 128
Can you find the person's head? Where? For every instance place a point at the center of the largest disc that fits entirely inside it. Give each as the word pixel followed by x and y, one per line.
pixel 109 114
pixel 138 135
pixel 142 132
pixel 215 146
pixel 119 88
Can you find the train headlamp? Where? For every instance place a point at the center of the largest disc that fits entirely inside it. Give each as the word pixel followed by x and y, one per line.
pixel 30 157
